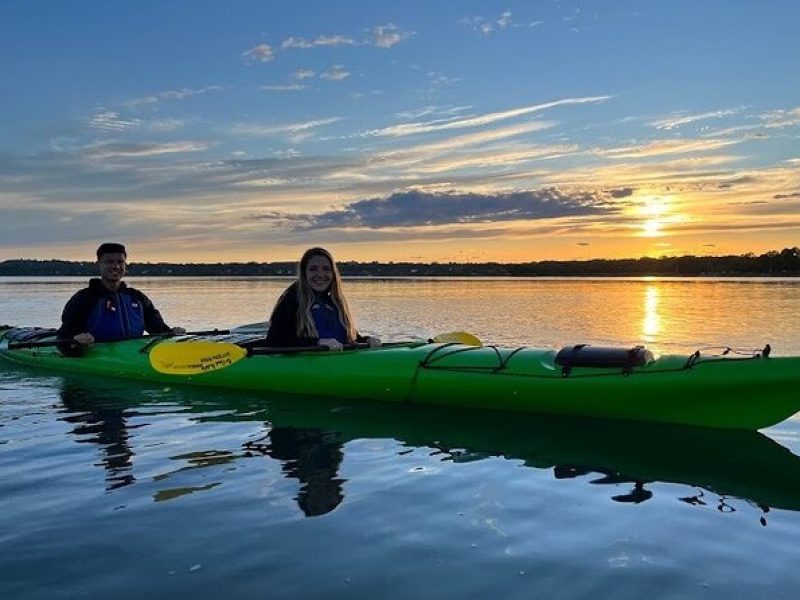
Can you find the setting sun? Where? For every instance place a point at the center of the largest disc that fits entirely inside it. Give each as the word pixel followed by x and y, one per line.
pixel 651 228
pixel 653 210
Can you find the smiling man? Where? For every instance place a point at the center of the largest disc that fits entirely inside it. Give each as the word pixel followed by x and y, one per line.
pixel 108 309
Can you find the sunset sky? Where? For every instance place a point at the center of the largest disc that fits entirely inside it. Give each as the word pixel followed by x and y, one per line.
pixel 394 130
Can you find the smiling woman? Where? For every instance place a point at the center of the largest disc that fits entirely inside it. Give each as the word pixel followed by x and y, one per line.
pixel 313 310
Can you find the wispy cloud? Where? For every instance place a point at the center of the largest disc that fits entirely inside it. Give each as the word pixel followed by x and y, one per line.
pixel 680 119
pixel 662 147
pixel 672 176
pixel 766 121
pixel 425 111
pixel 289 87
pixel 335 73
pixel 301 74
pixel 260 53
pixel 778 119
pixel 495 157
pixel 178 94
pixel 110 120
pixel 427 151
pixel 113 150
pixel 386 36
pixel 382 36
pixel 323 40
pixel 295 131
pixel 487 119
pixel 163 125
pixel 488 26
pixel 440 80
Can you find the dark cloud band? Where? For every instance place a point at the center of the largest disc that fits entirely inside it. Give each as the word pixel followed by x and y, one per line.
pixel 416 208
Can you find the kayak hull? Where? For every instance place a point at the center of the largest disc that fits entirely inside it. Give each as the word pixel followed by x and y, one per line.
pixel 742 393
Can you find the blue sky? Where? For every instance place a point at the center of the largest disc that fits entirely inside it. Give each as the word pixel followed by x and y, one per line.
pixel 415 130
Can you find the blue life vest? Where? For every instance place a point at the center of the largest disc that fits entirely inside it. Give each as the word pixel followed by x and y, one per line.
pixel 326 318
pixel 116 317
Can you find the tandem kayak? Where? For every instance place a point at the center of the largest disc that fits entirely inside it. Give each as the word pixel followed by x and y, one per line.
pixel 725 391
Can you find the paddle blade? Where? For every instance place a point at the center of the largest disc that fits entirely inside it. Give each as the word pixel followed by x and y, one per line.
pixel 194 358
pixel 458 337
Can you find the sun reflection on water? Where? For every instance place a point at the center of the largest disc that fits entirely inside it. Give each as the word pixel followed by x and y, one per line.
pixel 651 324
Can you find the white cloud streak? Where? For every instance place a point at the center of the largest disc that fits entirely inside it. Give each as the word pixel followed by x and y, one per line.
pixel 662 147
pixel 257 130
pixel 301 74
pixel 178 94
pixel 489 26
pixel 683 119
pixel 487 119
pixel 335 73
pixel 424 152
pixel 109 120
pixel 289 87
pixel 143 150
pixel 323 40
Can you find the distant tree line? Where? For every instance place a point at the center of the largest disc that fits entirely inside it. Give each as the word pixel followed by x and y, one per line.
pixel 774 263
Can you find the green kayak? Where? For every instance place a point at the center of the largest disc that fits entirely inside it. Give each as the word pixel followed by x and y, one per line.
pixel 727 391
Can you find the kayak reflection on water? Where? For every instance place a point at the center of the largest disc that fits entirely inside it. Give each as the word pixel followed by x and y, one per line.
pixel 308 438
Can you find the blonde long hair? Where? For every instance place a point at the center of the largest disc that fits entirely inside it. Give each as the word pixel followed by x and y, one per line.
pixel 305 298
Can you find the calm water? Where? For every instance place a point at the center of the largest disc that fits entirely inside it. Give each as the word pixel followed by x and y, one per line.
pixel 123 490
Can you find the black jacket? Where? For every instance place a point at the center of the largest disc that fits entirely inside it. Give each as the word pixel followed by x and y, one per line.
pixel 110 315
pixel 283 323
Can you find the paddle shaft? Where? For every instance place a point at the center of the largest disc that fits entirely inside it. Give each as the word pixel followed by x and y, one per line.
pixel 59 342
pixel 262 350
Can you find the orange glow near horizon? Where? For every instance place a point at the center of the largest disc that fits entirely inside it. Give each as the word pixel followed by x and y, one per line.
pixel 648 224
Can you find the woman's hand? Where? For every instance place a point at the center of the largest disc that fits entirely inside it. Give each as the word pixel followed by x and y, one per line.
pixel 331 343
pixel 372 341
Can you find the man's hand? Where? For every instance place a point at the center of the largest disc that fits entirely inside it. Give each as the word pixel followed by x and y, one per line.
pixel 84 339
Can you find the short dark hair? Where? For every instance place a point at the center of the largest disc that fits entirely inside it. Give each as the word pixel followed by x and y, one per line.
pixel 110 248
